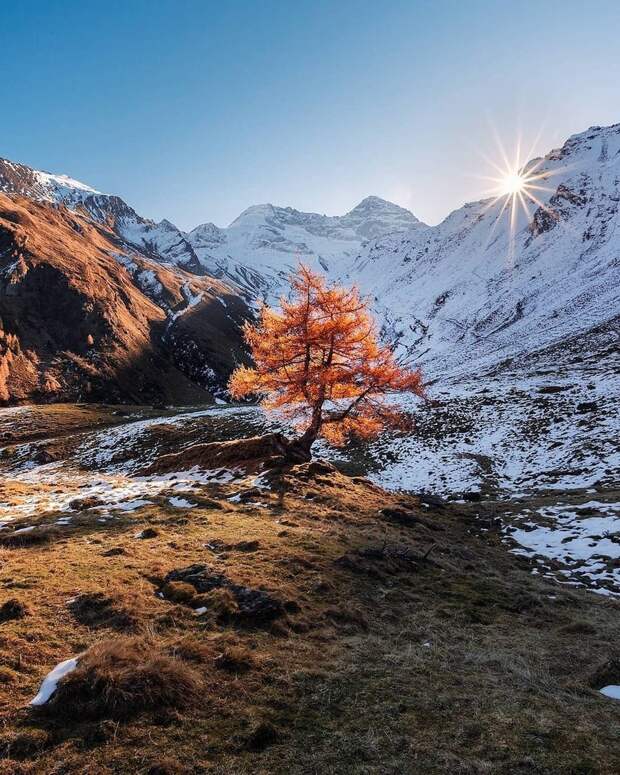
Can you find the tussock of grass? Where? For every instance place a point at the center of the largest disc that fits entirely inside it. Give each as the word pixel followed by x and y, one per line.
pixel 221 604
pixel 36 537
pixel 7 676
pixel 235 659
pixel 606 673
pixel 22 744
pixel 124 677
pixel 191 648
pixel 179 592
pixel 167 766
pixel 96 609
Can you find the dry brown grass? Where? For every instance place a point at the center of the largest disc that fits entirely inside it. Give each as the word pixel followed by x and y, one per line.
pixel 383 664
pixel 248 452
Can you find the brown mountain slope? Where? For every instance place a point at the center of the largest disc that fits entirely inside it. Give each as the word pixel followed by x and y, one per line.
pixel 83 318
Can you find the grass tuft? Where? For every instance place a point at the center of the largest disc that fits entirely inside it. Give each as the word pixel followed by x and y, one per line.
pixel 124 677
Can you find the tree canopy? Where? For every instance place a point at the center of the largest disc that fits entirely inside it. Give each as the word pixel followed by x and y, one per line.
pixel 318 360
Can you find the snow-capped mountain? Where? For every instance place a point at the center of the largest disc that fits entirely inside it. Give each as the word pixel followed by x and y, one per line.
pixel 473 292
pixel 256 252
pixel 260 247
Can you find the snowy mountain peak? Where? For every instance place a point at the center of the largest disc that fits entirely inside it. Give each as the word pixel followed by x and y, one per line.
pixel 255 215
pixel 375 204
pixel 206 235
pixel 19 179
pixel 263 244
pixel 376 217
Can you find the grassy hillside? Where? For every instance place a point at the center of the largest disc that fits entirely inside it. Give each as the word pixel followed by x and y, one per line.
pixel 327 626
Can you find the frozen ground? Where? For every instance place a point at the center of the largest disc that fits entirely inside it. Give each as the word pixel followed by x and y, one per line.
pixel 583 540
pixel 506 437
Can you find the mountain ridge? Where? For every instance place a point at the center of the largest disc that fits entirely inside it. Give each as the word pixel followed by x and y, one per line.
pixel 255 252
pixel 453 294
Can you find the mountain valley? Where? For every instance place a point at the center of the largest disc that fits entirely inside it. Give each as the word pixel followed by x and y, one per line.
pixel 149 537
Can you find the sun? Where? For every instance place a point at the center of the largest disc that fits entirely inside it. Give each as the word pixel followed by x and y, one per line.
pixel 517 188
pixel 518 185
pixel 513 183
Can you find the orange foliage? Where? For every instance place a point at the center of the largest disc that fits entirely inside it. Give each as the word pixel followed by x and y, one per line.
pixel 318 361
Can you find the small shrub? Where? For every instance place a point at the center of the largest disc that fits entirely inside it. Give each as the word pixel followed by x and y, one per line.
pixel 124 677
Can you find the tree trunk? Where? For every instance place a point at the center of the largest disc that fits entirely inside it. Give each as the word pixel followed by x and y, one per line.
pixel 300 448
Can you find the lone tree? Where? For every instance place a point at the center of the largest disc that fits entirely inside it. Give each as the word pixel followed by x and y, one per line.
pixel 318 362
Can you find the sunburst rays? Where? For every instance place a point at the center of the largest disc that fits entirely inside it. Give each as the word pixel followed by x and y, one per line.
pixel 518 187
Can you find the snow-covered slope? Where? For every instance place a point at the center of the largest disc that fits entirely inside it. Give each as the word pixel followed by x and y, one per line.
pixel 472 293
pixel 260 248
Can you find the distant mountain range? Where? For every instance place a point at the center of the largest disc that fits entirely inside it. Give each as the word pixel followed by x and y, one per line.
pixel 470 293
pixel 256 252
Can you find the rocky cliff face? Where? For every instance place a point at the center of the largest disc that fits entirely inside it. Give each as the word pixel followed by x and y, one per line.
pixel 84 318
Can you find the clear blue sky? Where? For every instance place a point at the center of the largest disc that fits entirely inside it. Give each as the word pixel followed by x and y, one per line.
pixel 195 110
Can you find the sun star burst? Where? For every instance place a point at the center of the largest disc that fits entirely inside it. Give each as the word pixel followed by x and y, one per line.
pixel 516 187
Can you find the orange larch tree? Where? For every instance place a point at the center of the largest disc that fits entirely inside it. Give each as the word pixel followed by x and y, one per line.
pixel 318 361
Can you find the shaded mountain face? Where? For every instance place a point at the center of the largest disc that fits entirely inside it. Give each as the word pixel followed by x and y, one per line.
pixel 82 317
pixel 472 295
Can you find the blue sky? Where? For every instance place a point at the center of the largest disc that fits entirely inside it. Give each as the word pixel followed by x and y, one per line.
pixel 195 110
